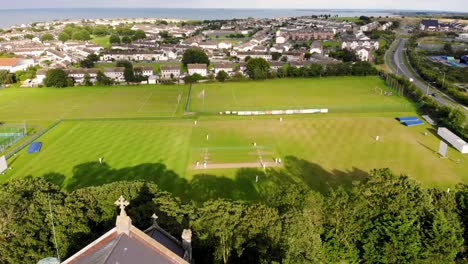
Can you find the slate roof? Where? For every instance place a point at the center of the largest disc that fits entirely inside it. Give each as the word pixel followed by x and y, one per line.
pixel 430 23
pixel 135 247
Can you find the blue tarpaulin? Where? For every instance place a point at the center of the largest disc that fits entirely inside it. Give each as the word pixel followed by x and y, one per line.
pixel 35 147
pixel 407 118
pixel 413 123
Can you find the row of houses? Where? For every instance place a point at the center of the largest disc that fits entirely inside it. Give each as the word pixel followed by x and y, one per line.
pixel 303 35
pixel 435 25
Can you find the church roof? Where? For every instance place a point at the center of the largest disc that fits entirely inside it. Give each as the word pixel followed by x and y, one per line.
pixel 166 239
pixel 126 244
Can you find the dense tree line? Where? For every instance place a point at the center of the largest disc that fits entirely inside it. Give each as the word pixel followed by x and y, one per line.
pixel 258 69
pixel 121 33
pixel 382 218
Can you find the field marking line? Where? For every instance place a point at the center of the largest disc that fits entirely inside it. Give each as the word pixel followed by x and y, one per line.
pixel 179 98
pixel 234 165
pixel 146 101
pixel 234 96
pixel 74 107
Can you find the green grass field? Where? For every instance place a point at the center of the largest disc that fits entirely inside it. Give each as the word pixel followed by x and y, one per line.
pixel 47 104
pixel 320 151
pixel 345 94
pixel 101 41
pixel 310 147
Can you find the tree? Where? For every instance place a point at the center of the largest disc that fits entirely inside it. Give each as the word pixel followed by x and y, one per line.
pixel 139 34
pixel 56 78
pixel 448 48
pixel 302 228
pixel 222 76
pixel 195 56
pixel 192 78
pixel 81 34
pixel 26 227
pixel 257 68
pixel 247 58
pixel 7 77
pixel 102 79
pixel 86 63
pixel 126 40
pixel 100 30
pixel 129 75
pixel 28 36
pixel 275 56
pixel 93 57
pixel 63 36
pixel 47 37
pixel 114 39
pixel 87 80
pixel 232 226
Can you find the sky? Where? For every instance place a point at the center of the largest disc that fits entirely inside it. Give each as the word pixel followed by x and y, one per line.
pixel 439 5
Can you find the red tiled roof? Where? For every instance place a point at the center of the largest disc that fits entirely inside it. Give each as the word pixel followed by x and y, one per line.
pixel 8 62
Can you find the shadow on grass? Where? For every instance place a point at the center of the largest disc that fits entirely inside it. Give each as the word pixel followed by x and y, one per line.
pixel 203 187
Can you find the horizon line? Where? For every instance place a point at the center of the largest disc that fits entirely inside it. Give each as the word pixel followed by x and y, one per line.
pixel 242 8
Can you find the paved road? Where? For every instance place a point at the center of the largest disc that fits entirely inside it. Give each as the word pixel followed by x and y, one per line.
pixel 397 60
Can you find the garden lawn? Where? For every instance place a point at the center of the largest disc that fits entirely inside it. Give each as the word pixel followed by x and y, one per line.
pixel 338 94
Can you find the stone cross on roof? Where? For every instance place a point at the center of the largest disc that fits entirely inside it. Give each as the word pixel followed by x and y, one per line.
pixel 155 218
pixel 122 203
pixel 123 223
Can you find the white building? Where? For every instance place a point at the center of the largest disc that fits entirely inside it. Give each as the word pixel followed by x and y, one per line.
pixel 363 54
pixel 224 45
pixel 170 71
pixel 79 74
pixel 316 47
pixel 15 64
pixel 116 74
pixel 197 68
pixel 227 67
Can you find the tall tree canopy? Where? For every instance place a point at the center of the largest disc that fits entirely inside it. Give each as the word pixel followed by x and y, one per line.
pixel 195 56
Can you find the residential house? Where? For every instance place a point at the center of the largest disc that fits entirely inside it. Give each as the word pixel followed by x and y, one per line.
pixel 79 74
pixel 316 47
pixel 116 74
pixel 224 45
pixel 429 25
pixel 275 65
pixel 371 44
pixel 40 76
pixel 197 68
pixel 294 55
pixel 227 67
pixel 263 55
pixel 260 49
pixel 155 55
pixel 170 71
pixel 146 71
pixel 364 53
pixel 15 64
pixel 208 45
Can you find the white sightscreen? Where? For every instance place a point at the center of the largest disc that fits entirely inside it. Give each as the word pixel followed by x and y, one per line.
pixel 443 149
pixel 3 164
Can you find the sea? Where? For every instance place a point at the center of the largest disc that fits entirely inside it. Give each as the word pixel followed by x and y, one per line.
pixel 13 17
